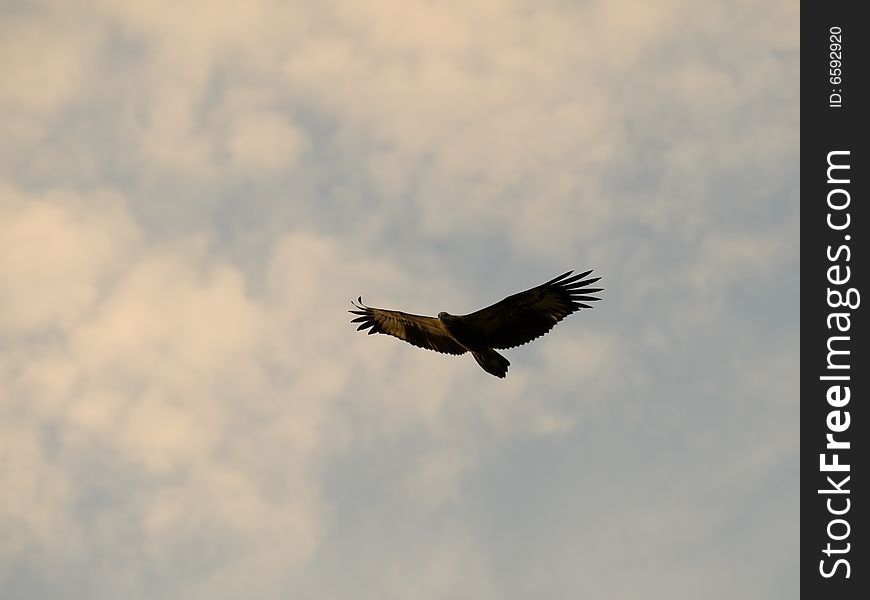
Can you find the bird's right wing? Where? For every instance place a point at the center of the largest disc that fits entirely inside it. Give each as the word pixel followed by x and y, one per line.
pixel 520 318
pixel 420 331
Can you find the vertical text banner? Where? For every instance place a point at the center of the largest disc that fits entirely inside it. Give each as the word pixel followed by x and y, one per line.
pixel 834 370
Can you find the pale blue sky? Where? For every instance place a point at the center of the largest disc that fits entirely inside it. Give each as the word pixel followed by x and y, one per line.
pixel 190 196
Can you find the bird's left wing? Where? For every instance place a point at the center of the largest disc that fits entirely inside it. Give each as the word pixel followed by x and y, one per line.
pixel 420 331
pixel 522 317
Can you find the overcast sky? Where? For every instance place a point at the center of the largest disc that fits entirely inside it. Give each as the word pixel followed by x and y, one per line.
pixel 192 193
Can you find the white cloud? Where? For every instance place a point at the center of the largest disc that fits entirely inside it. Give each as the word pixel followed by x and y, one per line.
pixel 220 404
pixel 59 251
pixel 153 361
pixel 264 141
pixel 45 64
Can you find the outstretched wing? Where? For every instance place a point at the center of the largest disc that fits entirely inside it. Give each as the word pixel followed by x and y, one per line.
pixel 423 332
pixel 520 318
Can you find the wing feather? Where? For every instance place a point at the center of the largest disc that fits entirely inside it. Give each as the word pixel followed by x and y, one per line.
pixel 522 317
pixel 420 331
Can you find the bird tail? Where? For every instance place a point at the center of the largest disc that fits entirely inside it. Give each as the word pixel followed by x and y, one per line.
pixel 492 362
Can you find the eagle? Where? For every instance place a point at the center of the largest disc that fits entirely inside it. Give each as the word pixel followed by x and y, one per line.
pixel 514 321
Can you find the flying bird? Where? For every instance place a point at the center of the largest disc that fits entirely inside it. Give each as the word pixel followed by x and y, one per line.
pixel 514 321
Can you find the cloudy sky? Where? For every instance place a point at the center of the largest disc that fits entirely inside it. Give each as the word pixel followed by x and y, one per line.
pixel 192 193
